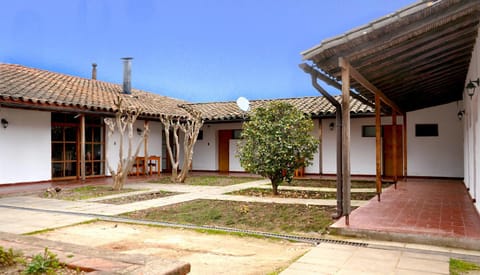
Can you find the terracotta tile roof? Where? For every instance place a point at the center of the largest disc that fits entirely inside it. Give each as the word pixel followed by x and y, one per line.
pixel 22 86
pixel 315 106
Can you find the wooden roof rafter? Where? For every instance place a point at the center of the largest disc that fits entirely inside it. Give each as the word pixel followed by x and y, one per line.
pixel 343 63
pixel 423 48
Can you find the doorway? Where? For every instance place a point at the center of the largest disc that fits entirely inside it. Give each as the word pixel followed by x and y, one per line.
pixel 388 157
pixel 65 134
pixel 224 137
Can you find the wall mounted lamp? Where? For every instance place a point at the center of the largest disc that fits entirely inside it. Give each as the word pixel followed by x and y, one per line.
pixel 460 114
pixel 471 87
pixel 4 123
pixel 331 126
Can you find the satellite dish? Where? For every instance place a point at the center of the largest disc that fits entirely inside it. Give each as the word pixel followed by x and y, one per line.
pixel 243 104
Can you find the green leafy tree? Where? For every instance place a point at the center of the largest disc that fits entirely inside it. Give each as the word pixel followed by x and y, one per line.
pixel 276 141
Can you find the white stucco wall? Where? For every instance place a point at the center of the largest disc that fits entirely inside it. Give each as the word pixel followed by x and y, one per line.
pixel 154 143
pixel 440 156
pixel 25 146
pixel 314 168
pixel 206 151
pixel 471 125
pixel 362 149
pixel 205 155
pixel 233 160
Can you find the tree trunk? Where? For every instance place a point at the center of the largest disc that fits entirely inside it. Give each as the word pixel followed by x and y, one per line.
pixel 275 188
pixel 190 128
pixel 276 180
pixel 125 118
pixel 188 144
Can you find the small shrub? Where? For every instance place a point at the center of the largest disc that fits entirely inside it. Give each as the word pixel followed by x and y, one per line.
pixel 47 263
pixel 10 257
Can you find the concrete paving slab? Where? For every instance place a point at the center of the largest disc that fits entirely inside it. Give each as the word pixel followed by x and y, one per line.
pixel 424 265
pixel 412 272
pixel 26 221
pixel 370 265
pixel 300 268
pixel 426 256
pixel 378 254
pixel 346 259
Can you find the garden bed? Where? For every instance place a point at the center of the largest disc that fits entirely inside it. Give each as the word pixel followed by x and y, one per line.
pixel 208 180
pixel 269 217
pixel 139 197
pixel 84 192
pixel 300 194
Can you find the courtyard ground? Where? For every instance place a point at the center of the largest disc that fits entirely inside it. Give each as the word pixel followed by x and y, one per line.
pixel 25 214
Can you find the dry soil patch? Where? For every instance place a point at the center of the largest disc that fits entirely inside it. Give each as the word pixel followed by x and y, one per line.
pixel 207 253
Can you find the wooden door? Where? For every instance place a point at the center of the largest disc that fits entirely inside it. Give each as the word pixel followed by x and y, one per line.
pixel 224 137
pixel 388 161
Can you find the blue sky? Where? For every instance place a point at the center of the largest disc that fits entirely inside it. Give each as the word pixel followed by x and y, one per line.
pixel 200 51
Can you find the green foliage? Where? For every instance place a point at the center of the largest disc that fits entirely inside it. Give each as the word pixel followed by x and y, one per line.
pixel 47 263
pixel 277 140
pixel 9 257
pixel 458 267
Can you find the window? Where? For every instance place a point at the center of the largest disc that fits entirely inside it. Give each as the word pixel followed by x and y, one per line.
pixel 94 146
pixel 64 151
pixel 368 131
pixel 65 134
pixel 200 135
pixel 237 134
pixel 426 130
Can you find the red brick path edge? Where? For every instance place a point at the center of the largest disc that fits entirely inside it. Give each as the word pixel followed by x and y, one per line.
pixel 93 260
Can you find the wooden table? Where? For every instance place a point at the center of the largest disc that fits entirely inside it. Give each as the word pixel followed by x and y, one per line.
pixel 153 163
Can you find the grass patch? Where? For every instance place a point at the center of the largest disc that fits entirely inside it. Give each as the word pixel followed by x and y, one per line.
pixel 458 267
pixel 86 192
pixel 299 194
pixel 270 217
pixel 332 183
pixel 139 197
pixel 209 180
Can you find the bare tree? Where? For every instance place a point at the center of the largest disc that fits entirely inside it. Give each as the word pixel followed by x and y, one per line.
pixel 170 123
pixel 190 127
pixel 123 122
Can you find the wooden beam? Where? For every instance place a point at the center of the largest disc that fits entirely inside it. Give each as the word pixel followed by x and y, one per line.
pixel 394 149
pixel 145 149
pixel 337 85
pixel 82 148
pixel 405 145
pixel 346 138
pixel 378 146
pixel 367 84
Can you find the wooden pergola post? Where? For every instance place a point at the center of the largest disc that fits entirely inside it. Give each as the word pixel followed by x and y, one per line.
pixel 82 148
pixel 145 150
pixel 395 151
pixel 405 146
pixel 346 137
pixel 378 146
